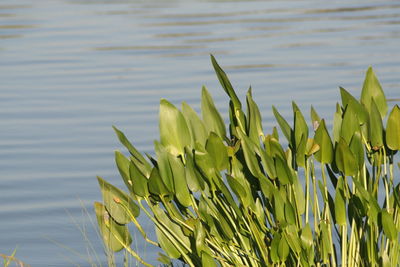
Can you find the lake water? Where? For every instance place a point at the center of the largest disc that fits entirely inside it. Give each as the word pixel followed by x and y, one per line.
pixel 69 70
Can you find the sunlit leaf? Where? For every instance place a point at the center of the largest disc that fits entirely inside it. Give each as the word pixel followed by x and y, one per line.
pixel 345 159
pixel 285 127
pixel 389 228
pixel 115 236
pixel 253 119
pixel 196 126
pixel 322 138
pixel 393 129
pixel 211 117
pixel 375 127
pixel 174 132
pixel 372 90
pixel 118 203
pixel 217 150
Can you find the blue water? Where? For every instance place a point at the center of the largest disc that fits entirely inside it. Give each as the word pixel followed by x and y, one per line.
pixel 69 70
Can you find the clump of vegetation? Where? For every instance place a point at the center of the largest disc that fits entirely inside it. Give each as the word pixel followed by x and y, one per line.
pixel 243 198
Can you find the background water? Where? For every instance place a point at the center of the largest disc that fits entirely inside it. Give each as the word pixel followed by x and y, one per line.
pixel 71 69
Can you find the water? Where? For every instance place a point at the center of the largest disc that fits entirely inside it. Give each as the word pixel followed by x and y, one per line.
pixel 71 69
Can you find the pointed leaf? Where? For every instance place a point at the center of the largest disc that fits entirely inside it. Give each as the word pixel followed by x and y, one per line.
pixel 180 184
pixel 389 228
pixel 139 181
pixel 373 90
pixel 118 203
pixel 115 236
pixel 345 160
pixel 253 119
pixel 217 150
pixel 322 138
pixel 285 127
pixel 375 127
pixel 195 124
pixel 211 117
pixel 174 132
pixel 349 101
pixel 393 129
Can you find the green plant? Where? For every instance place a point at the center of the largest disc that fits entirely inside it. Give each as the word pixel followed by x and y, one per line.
pixel 244 199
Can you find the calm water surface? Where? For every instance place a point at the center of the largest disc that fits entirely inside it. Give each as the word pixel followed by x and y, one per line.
pixel 71 69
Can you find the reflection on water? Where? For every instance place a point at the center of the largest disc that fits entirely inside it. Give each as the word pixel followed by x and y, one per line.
pixel 71 69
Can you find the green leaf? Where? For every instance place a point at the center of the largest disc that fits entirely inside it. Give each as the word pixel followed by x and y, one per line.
pixel 275 248
pixel 340 205
pixel 211 117
pixel 180 184
pixel 345 159
pixel 283 249
pixel 207 260
pixel 174 132
pixel 141 162
pixel 139 181
pixel 249 154
pixel 322 138
pixel 118 203
pixel 357 147
pixel 115 236
pixel 285 127
pixel 196 126
pixel 283 171
pixel 170 234
pixel 306 236
pixel 290 216
pixel 393 129
pixel 193 177
pixel 315 119
pixel 279 207
pixel 226 84
pixel 253 119
pixel 389 228
pixel 156 184
pixel 372 90
pixel 166 245
pixel 375 127
pixel 348 101
pixel 300 135
pixel 164 166
pixel 337 123
pixel 123 168
pixel 299 195
pixel 217 150
pixel 350 124
pixel 164 259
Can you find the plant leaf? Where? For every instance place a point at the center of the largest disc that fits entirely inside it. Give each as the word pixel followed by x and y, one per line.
pixel 285 127
pixel 174 132
pixel 322 138
pixel 195 124
pixel 375 127
pixel 115 236
pixel 118 203
pixel 393 129
pixel 372 90
pixel 217 150
pixel 211 117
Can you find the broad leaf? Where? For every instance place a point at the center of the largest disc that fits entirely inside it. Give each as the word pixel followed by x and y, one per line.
pixel 211 117
pixel 115 236
pixel 118 203
pixel 393 129
pixel 174 132
pixel 322 138
pixel 372 90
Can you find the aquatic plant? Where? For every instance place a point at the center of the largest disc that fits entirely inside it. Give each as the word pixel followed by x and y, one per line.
pixel 244 198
